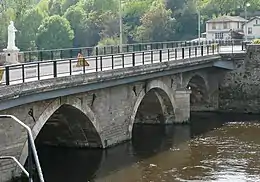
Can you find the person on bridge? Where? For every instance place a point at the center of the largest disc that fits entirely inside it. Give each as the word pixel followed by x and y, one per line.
pixel 81 60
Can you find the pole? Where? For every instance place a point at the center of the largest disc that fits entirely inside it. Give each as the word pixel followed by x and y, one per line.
pixel 199 25
pixel 30 160
pixel 246 22
pixel 120 25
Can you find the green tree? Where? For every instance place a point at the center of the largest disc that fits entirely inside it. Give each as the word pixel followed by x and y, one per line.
pixel 157 24
pixel 75 15
pixel 110 25
pixel 187 22
pixel 28 26
pixel 132 13
pixel 54 32
pixel 55 7
pixel 99 6
pixel 91 26
pixel 67 4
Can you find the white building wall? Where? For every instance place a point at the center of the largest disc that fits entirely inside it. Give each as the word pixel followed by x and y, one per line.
pixel 254 27
pixel 221 28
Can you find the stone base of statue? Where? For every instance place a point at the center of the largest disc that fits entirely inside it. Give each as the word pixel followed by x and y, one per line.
pixel 11 56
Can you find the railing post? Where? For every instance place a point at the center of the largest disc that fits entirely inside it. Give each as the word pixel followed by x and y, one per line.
pixel 140 47
pixel 207 49
pixel 182 50
pixel 118 49
pixel 54 69
pixel 112 61
pixel 201 51
pixel 70 63
pixel 160 55
pixel 97 51
pixel 38 69
pixel 96 63
pixel 23 75
pixel 123 60
pixel 143 57
pixel 196 49
pixel 189 52
pixel 133 59
pixel 84 66
pixel 175 53
pixel 127 48
pixel 7 75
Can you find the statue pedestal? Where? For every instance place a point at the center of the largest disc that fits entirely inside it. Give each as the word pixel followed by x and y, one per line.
pixel 11 56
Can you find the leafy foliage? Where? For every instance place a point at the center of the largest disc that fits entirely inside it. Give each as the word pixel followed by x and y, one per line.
pixel 47 24
pixel 55 32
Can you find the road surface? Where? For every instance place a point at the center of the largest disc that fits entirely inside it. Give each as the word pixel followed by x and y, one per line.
pixel 106 63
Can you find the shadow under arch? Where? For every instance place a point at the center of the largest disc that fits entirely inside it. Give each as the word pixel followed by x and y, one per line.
pixel 70 127
pixel 74 105
pixel 153 107
pixel 199 88
pixel 156 93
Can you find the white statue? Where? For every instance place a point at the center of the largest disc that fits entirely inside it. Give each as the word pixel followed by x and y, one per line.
pixel 11 37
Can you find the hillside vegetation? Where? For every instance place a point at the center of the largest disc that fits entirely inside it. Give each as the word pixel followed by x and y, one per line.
pixel 50 24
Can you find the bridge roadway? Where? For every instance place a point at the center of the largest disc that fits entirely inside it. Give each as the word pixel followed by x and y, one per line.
pixel 68 67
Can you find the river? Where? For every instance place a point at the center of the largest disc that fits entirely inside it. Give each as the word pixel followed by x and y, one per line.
pixel 214 147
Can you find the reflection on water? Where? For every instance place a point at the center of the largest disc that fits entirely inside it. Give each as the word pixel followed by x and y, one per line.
pixel 213 148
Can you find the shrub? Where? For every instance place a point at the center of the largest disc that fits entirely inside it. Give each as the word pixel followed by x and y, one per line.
pixel 256 41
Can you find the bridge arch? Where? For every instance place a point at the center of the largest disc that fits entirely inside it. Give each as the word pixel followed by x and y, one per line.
pixel 86 118
pixel 198 84
pixel 159 91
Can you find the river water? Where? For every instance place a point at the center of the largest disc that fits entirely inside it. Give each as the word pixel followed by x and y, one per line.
pixel 214 147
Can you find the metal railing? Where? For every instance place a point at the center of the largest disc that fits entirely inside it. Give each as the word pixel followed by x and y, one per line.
pixel 32 152
pixel 33 71
pixel 41 55
pixel 17 162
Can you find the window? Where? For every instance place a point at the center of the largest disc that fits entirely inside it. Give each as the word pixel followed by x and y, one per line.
pixel 213 25
pixel 225 25
pixel 249 30
pixel 256 21
pixel 219 36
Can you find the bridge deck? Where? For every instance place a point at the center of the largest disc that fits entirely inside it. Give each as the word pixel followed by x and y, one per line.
pixel 35 71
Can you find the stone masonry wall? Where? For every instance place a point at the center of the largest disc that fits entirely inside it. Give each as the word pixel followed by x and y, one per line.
pixel 240 89
pixel 111 110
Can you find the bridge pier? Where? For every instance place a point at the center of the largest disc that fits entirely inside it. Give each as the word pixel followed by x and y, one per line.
pixel 182 110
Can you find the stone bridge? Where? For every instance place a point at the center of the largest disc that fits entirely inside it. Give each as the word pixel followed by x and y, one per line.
pixel 100 109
